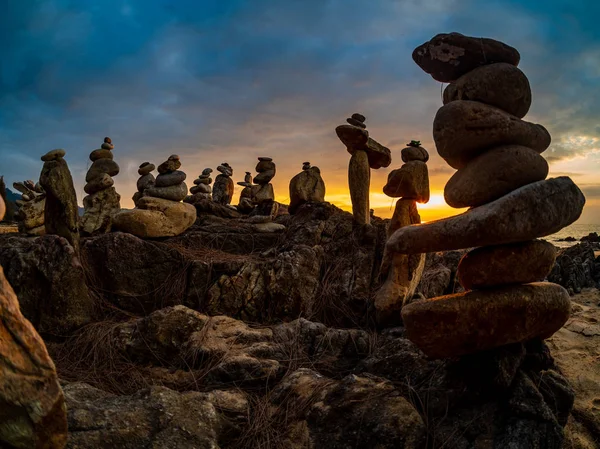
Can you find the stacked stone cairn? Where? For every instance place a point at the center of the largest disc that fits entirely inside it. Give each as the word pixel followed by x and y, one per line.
pixel 202 189
pixel 246 203
pixel 306 187
pixel 223 187
pixel 402 272
pixel 366 154
pixel 145 181
pixel 160 212
pixel 263 194
pixel 102 201
pixel 501 177
pixel 30 216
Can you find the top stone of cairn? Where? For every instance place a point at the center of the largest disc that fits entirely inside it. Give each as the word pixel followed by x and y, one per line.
pixel 447 57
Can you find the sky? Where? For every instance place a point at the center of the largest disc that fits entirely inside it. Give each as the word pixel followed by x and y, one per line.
pixel 229 80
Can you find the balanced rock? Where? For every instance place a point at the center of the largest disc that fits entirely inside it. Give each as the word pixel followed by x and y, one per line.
pixel 463 129
pixel 411 181
pixel 266 171
pixel 447 57
pixel 306 187
pixel 100 167
pixel 100 183
pixel 479 320
pixel 515 217
pixel 202 189
pixel 169 179
pixel 248 178
pixel 145 181
pixel 246 203
pixel 494 174
pixel 501 85
pixel 223 186
pixel 515 263
pixel 101 154
pixel 54 155
pixel 414 152
pixel 171 164
pixel 30 216
pixel 146 168
pixel 172 193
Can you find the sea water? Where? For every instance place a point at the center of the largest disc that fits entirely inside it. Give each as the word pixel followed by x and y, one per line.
pixel 575 230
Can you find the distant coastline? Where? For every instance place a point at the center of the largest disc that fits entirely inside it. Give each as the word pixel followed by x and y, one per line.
pixel 575 230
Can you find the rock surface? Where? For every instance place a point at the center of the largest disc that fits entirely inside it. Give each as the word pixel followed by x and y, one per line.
pixel 411 181
pixel 307 186
pixel 100 210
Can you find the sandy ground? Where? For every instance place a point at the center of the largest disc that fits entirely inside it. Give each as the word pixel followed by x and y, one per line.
pixel 576 349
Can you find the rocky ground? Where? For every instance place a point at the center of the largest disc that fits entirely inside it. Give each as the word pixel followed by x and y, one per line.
pixel 226 337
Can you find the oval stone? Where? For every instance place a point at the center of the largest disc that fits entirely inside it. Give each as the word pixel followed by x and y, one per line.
pixel 515 263
pixel 53 155
pixel 494 174
pixel 170 179
pixel 479 320
pixel 447 57
pixel 97 184
pixel 411 181
pixel 145 182
pixel 414 154
pixel 100 167
pixel 146 168
pixel 501 85
pixel 100 154
pixel 172 193
pixel 169 165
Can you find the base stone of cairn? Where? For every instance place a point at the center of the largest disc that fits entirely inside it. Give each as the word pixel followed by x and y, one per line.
pixel 102 201
pixel 30 216
pixel 263 196
pixel 306 187
pixel 223 186
pixel 145 181
pixel 33 413
pixel 366 154
pixel 160 212
pixel 246 204
pixel 402 272
pixel 202 189
pixel 501 177
pixel 61 213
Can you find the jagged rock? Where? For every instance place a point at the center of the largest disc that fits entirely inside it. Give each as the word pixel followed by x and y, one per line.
pixel 33 410
pixel 463 129
pixel 307 186
pixel 494 174
pixel 411 181
pixel 512 218
pixel 31 216
pixel 516 263
pixel 447 57
pixel 100 208
pixel 439 275
pixel 501 85
pixel 542 309
pixel 575 268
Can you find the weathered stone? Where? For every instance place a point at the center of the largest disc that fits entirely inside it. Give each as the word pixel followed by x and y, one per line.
pixel 101 167
pixel 465 323
pixel 223 189
pixel 170 179
pixel 136 197
pixel 156 217
pixel 225 169
pixel 447 57
pixel 359 180
pixel 414 154
pixel 61 215
pixel 54 155
pixel 201 188
pixel 512 218
pixel 146 168
pixel 355 122
pixel 463 129
pixel 501 85
pixel 307 186
pixel 357 139
pixel 171 164
pixel 356 116
pixel 33 413
pixel 494 174
pixel 100 209
pixel 100 154
pixel 173 193
pixel 411 181
pixel 97 184
pixel 263 193
pixel 31 214
pixel 246 204
pixel 145 182
pixel 516 263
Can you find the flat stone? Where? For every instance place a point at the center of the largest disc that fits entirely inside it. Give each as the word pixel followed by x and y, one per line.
pixel 225 170
pixel 169 165
pixel 172 193
pixel 501 85
pixel 170 179
pixel 535 210
pixel 356 116
pixel 411 181
pixel 475 321
pixel 355 122
pixel 101 167
pixel 306 187
pixel 156 217
pixel 414 154
pixel 100 154
pixel 146 168
pixel 447 57
pixel 53 155
pixel 107 146
pixel 203 179
pixel 201 188
pixel 515 263
pixel 354 138
pixel 145 182
pixel 266 159
pixel 97 184
pixel 494 174
pixel 462 130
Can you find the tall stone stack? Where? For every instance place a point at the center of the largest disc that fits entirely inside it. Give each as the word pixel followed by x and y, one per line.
pixel 30 216
pixel 500 176
pixel 263 193
pixel 306 187
pixel 160 212
pixel 246 203
pixel 223 187
pixel 145 181
pixel 402 272
pixel 102 201
pixel 202 189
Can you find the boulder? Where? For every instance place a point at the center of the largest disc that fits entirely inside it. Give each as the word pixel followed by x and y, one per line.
pixel 100 167
pixel 576 268
pixel 447 57
pixel 172 193
pixel 33 413
pixel 512 218
pixel 411 181
pixel 463 129
pixel 307 186
pixel 515 263
pixel 263 193
pixel 494 174
pixel 100 208
pixel 502 85
pixel 156 217
pixel 170 179
pixel 466 323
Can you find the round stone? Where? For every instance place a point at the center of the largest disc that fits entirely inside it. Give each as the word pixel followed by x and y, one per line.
pixel 107 146
pixel 414 154
pixel 53 155
pixel 515 263
pixel 357 123
pixel 146 168
pixel 494 174
pixel 480 320
pixel 170 179
pixel 101 166
pixel 100 154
